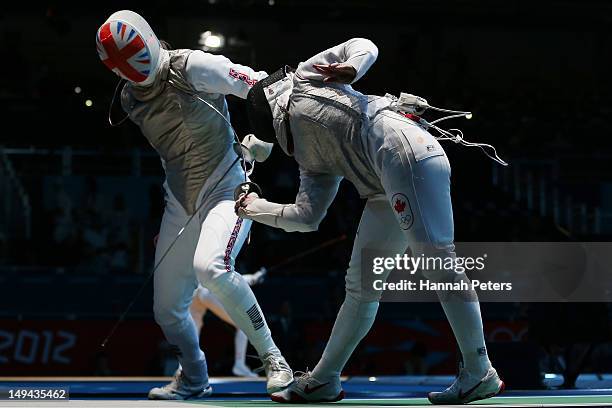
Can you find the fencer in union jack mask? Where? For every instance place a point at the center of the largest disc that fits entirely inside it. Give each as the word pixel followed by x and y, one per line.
pixel 177 98
pixel 128 46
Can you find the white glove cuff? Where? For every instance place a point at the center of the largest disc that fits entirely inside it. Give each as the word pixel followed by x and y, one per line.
pixel 258 150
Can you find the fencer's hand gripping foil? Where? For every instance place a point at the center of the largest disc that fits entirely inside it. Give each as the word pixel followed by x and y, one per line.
pixel 246 188
pixel 241 157
pixel 241 192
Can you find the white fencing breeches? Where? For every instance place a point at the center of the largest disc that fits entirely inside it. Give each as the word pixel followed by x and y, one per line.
pixel 415 212
pixel 203 301
pixel 205 253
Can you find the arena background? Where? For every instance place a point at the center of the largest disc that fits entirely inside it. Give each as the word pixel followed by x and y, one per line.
pixel 80 201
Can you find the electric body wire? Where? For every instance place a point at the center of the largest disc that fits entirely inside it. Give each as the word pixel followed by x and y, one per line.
pixel 240 157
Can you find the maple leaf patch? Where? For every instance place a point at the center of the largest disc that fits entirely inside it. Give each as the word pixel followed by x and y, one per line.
pixel 399 206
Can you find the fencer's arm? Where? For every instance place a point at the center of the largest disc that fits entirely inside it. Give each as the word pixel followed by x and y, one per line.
pixel 360 53
pixel 317 191
pixel 217 74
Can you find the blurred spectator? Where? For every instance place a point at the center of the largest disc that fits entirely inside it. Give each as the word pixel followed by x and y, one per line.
pixel 93 202
pixel 95 240
pixel 119 236
pixel 63 225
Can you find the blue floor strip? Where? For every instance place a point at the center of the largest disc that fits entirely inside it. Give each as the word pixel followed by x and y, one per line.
pixel 355 388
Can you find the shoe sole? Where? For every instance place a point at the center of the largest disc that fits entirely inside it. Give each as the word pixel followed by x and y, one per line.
pixel 298 399
pixel 204 393
pixel 501 389
pixel 279 388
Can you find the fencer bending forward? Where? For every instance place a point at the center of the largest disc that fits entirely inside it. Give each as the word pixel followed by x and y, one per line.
pixel 195 145
pixel 335 132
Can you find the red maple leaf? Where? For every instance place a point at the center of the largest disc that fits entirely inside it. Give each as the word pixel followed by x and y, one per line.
pixel 399 206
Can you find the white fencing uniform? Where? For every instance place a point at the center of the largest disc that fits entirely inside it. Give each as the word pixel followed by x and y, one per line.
pixel 195 145
pixel 335 132
pixel 204 300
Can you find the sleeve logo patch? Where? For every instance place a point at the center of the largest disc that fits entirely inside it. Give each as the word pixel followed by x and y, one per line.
pixel 242 77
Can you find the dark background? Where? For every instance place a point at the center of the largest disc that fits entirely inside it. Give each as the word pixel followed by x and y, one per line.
pixel 81 200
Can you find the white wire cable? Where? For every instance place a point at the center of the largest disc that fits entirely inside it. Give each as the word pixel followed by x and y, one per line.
pixel 247 173
pixel 243 161
pixel 408 103
pixel 447 110
pixel 110 108
pixel 458 115
pixel 458 138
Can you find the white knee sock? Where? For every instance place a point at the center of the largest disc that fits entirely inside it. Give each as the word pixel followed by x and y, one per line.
pixel 183 335
pixel 466 322
pixel 240 303
pixel 352 324
pixel 241 343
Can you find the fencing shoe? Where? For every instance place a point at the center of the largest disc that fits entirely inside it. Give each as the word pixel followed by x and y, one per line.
pixel 306 388
pixel 277 370
pixel 180 388
pixel 468 388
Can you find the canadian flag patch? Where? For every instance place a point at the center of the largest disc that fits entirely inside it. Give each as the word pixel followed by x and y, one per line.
pixel 402 209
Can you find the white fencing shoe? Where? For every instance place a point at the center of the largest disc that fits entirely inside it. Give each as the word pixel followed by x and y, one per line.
pixel 306 388
pixel 468 388
pixel 278 372
pixel 180 388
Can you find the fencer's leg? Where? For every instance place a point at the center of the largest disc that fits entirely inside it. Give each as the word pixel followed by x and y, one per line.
pixel 214 305
pixel 174 285
pixel 419 194
pixel 198 310
pixel 240 368
pixel 377 230
pixel 221 238
pixel 222 235
pixel 203 301
pixel 241 342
